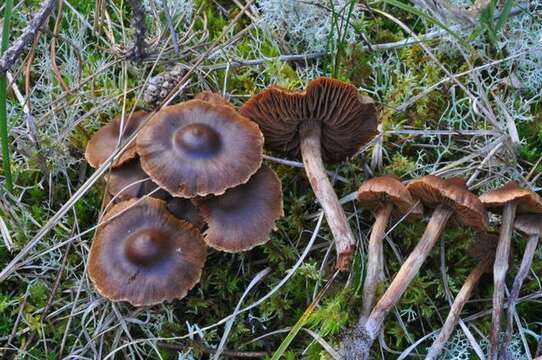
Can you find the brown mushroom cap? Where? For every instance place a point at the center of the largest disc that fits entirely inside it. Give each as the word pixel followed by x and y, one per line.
pixel 105 141
pixel 348 121
pixel 213 98
pixel 184 209
pixel 196 149
pixel 243 217
pixel 529 224
pixel 128 182
pixel 388 189
pixel 433 191
pixel 144 255
pixel 527 201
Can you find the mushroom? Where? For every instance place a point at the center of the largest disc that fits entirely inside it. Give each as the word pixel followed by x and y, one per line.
pixel 386 195
pixel 213 98
pixel 197 149
pixel 509 199
pixel 105 141
pixel 243 217
pixel 447 198
pixel 484 251
pixel 530 225
pixel 184 209
pixel 129 181
pixel 144 255
pixel 328 122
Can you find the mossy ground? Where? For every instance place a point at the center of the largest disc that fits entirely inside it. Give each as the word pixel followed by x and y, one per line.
pixel 49 167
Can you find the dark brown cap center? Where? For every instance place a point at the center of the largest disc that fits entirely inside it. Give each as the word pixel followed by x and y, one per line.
pixel 146 248
pixel 197 140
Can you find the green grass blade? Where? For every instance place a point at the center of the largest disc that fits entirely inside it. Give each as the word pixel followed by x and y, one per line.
pixel 302 320
pixel 504 15
pixel 3 100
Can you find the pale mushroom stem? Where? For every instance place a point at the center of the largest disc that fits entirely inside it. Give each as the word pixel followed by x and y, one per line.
pixel 453 316
pixel 311 153
pixel 375 259
pixel 368 332
pixel 500 267
pixel 518 281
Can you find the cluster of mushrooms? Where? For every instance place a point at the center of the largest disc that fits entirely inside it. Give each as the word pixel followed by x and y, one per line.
pixel 193 177
pixel 449 201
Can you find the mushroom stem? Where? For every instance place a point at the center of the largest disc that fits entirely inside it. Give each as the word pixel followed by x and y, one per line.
pixel 518 281
pixel 453 316
pixel 345 242
pixel 368 332
pixel 500 267
pixel 375 259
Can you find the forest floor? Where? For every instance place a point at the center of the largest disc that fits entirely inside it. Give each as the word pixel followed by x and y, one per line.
pixel 458 87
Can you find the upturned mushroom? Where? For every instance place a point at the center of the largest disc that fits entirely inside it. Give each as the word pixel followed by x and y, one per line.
pixel 530 225
pixel 129 181
pixel 386 196
pixel 107 139
pixel 198 149
pixel 328 122
pixel 144 255
pixel 484 251
pixel 244 216
pixel 447 198
pixel 508 200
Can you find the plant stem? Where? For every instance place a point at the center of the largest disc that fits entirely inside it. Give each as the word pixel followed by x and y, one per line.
pixel 518 281
pixel 357 347
pixel 453 316
pixel 375 259
pixel 500 267
pixel 4 137
pixel 345 242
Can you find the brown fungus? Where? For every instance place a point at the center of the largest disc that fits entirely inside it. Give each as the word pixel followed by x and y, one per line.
pixel 198 149
pixel 213 98
pixel 144 255
pixel 386 196
pixel 509 199
pixel 244 216
pixel 328 122
pixel 447 198
pixel 482 250
pixel 184 209
pixel 129 181
pixel 105 141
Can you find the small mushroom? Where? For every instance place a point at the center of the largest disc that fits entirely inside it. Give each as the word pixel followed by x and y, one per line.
pixel 509 199
pixel 184 209
pixel 447 198
pixel 144 255
pixel 484 251
pixel 129 181
pixel 213 98
pixel 197 149
pixel 530 225
pixel 243 217
pixel 328 122
pixel 386 195
pixel 105 141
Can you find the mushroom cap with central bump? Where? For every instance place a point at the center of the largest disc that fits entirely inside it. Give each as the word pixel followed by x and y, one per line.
pixel 105 141
pixel 529 224
pixel 388 189
pixel 347 120
pixel 129 181
pixel 526 200
pixel 144 255
pixel 197 149
pixel 243 217
pixel 433 191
